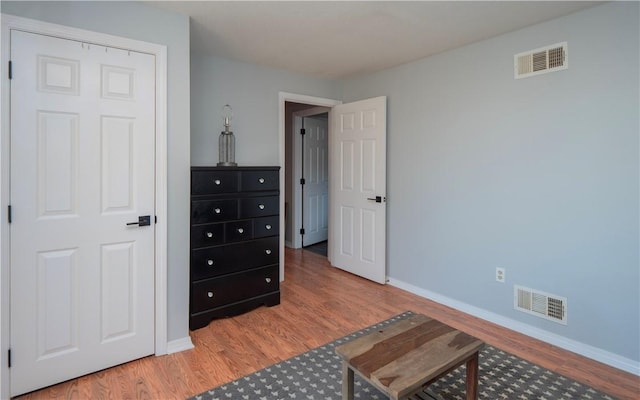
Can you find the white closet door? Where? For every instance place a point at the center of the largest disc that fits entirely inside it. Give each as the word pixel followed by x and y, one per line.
pixel 82 167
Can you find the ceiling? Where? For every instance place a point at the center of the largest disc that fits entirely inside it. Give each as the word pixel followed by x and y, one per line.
pixel 343 39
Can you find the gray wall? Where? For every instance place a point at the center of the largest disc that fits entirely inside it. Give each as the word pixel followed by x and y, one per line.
pixel 252 91
pixel 538 175
pixel 141 22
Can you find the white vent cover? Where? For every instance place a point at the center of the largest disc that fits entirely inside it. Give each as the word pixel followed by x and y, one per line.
pixel 545 305
pixel 540 61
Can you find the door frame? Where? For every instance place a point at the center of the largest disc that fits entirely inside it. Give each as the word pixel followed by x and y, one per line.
pixel 10 22
pixel 283 97
pixel 296 203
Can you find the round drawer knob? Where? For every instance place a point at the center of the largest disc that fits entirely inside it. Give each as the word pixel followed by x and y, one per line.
pixel 209 262
pixel 240 230
pixel 261 206
pixel 268 280
pixel 209 294
pixel 217 181
pixel 268 226
pixel 261 180
pixel 267 251
pixel 209 234
pixel 217 210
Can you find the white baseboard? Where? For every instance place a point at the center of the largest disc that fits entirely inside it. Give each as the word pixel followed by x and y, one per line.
pixel 178 345
pixel 588 351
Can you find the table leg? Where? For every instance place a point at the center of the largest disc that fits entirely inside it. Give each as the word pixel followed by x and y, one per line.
pixel 472 377
pixel 347 382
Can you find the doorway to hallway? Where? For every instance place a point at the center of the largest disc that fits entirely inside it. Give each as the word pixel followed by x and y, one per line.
pixel 306 174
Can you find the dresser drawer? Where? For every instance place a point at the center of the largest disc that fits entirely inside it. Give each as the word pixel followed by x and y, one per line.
pixel 214 182
pixel 251 181
pixel 237 231
pixel 266 226
pixel 216 292
pixel 207 235
pixel 212 261
pixel 252 207
pixel 221 260
pixel 204 211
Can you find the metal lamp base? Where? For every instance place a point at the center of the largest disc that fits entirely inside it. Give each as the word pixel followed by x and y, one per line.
pixel 227 149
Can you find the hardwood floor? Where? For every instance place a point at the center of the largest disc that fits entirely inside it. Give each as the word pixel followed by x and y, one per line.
pixel 319 304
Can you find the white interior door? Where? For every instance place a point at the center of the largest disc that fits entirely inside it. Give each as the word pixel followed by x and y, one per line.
pixel 82 167
pixel 315 200
pixel 357 147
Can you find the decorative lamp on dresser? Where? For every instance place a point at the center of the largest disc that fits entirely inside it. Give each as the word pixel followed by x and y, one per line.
pixel 235 249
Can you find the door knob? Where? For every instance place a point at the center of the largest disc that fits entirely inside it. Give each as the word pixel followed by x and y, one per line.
pixel 377 199
pixel 144 220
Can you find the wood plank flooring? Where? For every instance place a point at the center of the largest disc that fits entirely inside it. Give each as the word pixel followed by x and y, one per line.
pixel 319 304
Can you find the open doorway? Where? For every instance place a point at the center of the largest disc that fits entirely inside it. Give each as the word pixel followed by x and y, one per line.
pixel 306 176
pixel 289 103
pixel 311 178
pixel 314 181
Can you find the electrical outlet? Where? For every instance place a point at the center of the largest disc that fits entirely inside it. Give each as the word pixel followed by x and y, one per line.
pixel 500 275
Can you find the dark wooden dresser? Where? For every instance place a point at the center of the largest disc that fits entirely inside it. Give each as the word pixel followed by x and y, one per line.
pixel 234 241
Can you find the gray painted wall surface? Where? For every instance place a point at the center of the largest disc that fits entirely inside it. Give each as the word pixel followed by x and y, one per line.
pixel 141 22
pixel 538 175
pixel 252 91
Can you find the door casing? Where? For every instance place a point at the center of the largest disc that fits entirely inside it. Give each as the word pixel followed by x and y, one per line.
pixel 9 23
pixel 283 97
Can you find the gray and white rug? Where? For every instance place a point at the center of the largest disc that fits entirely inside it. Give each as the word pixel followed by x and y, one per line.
pixel 317 375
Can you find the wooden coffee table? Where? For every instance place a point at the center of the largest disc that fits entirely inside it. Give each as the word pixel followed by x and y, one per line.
pixel 403 357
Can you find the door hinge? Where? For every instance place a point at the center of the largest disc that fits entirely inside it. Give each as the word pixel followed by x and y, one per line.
pixel 9 358
pixel 155 219
pixel 303 131
pixel 302 231
pixel 302 181
pixel 9 216
pixel 10 70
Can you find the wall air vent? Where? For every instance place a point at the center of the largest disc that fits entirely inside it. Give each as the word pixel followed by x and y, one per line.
pixel 540 304
pixel 540 61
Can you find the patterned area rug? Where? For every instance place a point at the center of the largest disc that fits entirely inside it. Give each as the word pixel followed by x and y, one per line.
pixel 317 375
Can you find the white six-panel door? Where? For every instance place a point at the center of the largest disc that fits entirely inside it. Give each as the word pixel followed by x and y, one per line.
pixel 357 149
pixel 316 174
pixel 82 167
